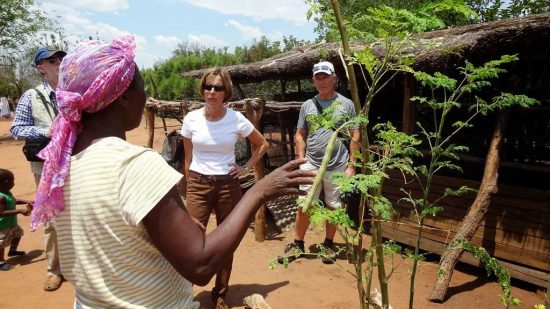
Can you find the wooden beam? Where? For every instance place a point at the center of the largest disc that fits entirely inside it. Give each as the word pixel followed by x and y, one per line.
pixel 542 168
pixel 536 277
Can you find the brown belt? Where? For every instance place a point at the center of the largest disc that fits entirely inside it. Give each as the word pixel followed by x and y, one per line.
pixel 210 178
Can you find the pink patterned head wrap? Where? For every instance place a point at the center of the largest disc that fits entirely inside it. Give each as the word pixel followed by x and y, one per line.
pixel 91 76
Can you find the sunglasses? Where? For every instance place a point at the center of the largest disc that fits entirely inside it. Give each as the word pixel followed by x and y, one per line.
pixel 209 87
pixel 52 59
pixel 322 68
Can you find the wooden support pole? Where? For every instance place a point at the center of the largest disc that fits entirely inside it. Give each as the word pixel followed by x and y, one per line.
pixel 547 298
pixel 472 221
pixel 409 112
pixel 164 125
pixel 283 135
pixel 254 110
pixel 239 90
pixel 150 119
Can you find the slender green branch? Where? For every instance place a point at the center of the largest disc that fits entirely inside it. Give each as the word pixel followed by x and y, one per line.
pixel 386 82
pixel 448 138
pixel 347 53
pixel 323 168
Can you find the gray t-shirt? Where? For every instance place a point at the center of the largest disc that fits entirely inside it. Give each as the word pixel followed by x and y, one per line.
pixel 317 141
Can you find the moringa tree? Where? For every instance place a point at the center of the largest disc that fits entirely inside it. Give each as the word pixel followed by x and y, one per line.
pixel 391 149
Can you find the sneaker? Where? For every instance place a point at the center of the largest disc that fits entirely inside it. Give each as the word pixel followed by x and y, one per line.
pixel 5 266
pixel 328 254
pixel 292 252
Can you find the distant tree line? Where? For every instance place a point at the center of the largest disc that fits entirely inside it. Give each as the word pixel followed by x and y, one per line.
pixel 23 28
pixel 165 81
pixel 170 85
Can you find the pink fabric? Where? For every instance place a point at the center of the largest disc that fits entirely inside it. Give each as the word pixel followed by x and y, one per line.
pixel 91 76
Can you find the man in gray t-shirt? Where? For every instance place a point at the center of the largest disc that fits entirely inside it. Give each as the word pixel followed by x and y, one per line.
pixel 312 145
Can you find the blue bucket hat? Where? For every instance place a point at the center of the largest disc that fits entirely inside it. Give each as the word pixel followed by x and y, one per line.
pixel 46 52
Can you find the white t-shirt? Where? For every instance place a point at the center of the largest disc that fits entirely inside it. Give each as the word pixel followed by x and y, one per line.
pixel 214 141
pixel 104 249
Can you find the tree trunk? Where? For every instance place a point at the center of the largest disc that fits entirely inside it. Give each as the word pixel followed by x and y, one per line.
pixel 254 110
pixel 477 210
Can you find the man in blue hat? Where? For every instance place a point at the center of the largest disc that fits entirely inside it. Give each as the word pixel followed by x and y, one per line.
pixel 312 145
pixel 34 115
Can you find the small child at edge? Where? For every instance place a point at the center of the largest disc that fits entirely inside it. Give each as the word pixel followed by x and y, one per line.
pixel 10 231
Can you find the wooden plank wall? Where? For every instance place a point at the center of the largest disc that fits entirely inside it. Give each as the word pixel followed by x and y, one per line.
pixel 516 228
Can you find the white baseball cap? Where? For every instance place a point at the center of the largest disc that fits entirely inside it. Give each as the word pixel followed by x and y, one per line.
pixel 323 67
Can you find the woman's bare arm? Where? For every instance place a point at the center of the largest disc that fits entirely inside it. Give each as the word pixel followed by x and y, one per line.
pixel 197 256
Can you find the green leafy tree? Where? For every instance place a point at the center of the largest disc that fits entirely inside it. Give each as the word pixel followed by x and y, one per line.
pixel 22 29
pixel 390 31
pixel 358 24
pixel 166 77
pixel 354 13
pixel 448 96
pixel 490 10
pixel 19 24
pixel 17 75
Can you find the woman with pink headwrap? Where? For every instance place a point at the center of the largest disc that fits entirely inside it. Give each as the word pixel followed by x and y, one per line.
pixel 124 236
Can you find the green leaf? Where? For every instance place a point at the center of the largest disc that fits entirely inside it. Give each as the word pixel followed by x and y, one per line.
pixel 319 215
pixel 391 248
pixel 383 207
pixel 463 190
pixel 431 211
pixel 435 81
pixel 492 266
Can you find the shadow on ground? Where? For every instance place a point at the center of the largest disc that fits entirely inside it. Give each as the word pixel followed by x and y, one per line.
pixel 237 292
pixel 29 258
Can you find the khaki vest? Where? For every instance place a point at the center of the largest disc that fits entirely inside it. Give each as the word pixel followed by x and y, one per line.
pixel 41 119
pixel 40 115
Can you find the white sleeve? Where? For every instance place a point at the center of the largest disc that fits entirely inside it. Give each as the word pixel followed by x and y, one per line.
pixel 245 126
pixel 186 126
pixel 144 180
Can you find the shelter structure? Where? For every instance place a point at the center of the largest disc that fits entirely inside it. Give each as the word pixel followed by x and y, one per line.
pixel 516 229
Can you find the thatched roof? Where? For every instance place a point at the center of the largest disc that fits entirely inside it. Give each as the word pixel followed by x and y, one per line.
pixel 480 41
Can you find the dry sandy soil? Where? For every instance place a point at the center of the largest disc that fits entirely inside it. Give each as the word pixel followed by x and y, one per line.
pixel 307 283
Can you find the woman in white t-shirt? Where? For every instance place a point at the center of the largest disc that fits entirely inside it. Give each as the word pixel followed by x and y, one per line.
pixel 210 135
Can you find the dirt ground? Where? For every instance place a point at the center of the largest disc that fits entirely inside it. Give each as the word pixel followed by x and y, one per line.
pixel 307 283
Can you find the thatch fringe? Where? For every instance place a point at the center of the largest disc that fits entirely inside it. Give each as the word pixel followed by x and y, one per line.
pixel 482 41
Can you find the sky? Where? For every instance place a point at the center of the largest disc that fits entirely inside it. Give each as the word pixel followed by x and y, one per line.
pixel 159 25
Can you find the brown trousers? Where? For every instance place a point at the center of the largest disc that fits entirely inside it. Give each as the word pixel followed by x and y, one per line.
pixel 204 195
